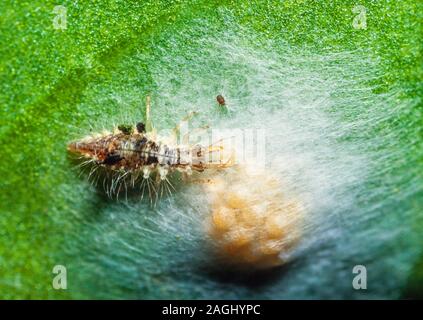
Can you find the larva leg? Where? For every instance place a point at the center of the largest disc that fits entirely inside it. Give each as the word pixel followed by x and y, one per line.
pixel 148 123
pixel 177 130
pixel 190 116
pixel 196 131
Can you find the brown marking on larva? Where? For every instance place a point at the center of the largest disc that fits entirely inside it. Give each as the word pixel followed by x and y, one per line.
pixel 112 159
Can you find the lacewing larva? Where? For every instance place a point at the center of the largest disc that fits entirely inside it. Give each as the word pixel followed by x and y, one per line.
pixel 132 155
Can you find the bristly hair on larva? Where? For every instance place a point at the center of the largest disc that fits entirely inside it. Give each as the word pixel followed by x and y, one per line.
pixel 132 156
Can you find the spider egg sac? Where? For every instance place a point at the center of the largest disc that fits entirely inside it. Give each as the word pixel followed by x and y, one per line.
pixel 252 223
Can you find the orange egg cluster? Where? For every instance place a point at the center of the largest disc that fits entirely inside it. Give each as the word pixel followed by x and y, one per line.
pixel 252 222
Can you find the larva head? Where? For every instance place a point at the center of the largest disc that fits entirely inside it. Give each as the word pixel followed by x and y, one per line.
pixel 104 147
pixel 95 147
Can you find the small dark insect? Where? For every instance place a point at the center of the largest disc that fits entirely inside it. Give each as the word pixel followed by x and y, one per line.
pixel 220 100
pixel 126 129
pixel 141 127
